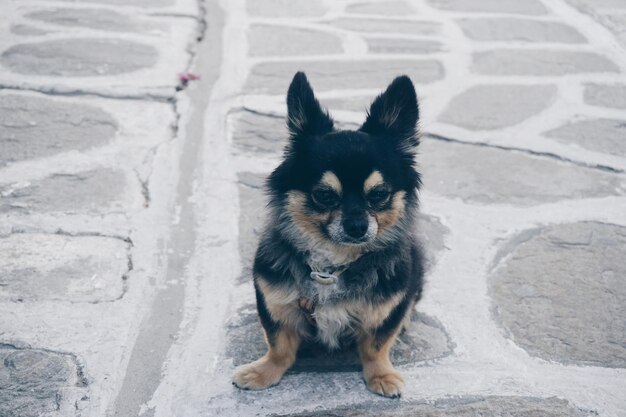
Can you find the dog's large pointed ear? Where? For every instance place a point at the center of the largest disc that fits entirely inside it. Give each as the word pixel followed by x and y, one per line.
pixel 395 113
pixel 305 116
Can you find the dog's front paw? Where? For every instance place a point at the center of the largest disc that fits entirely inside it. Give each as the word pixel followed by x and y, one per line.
pixel 388 385
pixel 257 375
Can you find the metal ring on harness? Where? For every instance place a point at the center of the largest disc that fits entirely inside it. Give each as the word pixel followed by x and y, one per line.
pixel 324 278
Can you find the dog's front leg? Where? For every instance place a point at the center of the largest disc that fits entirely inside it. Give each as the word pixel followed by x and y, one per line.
pixel 282 341
pixel 380 376
pixel 268 370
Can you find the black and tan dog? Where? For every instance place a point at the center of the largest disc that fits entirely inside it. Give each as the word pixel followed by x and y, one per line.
pixel 337 258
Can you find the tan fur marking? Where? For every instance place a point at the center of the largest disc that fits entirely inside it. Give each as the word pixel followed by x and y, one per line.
pixel 269 370
pixel 333 319
pixel 378 372
pixel 389 217
pixel 372 316
pixel 309 224
pixel 274 295
pixel 375 179
pixel 282 305
pixel 329 179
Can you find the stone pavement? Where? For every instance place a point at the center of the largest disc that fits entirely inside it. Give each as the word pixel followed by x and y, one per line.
pixel 130 206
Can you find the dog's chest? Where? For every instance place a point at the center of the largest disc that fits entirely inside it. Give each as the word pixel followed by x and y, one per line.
pixel 331 317
pixel 328 262
pixel 332 322
pixel 334 316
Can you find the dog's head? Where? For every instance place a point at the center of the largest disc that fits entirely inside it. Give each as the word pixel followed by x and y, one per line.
pixel 348 188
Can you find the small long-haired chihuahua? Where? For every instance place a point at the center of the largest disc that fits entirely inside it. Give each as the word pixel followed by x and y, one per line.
pixel 338 259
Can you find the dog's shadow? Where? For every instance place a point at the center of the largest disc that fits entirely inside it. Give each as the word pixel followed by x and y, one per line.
pixel 423 340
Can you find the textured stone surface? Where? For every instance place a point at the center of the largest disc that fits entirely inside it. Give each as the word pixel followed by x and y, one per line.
pixel 460 407
pixel 101 19
pixel 526 7
pixel 525 30
pixel 285 8
pixel 388 26
pixel 97 191
pixel 609 13
pixel 27 30
pixel 606 95
pixel 58 267
pixel 487 107
pixel 391 8
pixel 600 4
pixel 36 383
pixel 432 234
pixel 402 46
pixel 424 340
pixel 78 57
pixel 192 284
pixel 352 103
pixel 32 127
pixel 467 172
pixel 270 40
pixel 560 293
pixel 253 132
pixel 252 209
pixel 539 62
pixel 601 135
pixel 616 23
pixel 273 77
pixel 139 3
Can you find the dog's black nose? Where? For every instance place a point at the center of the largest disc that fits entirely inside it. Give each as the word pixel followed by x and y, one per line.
pixel 356 227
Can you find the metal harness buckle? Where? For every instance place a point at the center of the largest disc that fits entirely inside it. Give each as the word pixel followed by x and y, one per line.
pixel 328 278
pixel 324 278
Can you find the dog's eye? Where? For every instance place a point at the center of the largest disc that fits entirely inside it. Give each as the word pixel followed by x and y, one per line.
pixel 378 197
pixel 325 197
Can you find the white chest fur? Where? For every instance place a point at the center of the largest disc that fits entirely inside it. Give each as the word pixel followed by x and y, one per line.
pixel 351 317
pixel 332 321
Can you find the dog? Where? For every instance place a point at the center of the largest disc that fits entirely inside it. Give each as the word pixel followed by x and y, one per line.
pixel 338 257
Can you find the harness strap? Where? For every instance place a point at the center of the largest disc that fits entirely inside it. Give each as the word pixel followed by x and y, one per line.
pixel 308 305
pixel 308 308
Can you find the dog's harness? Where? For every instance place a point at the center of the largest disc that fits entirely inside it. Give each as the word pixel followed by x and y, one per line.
pixel 323 278
pixel 308 308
